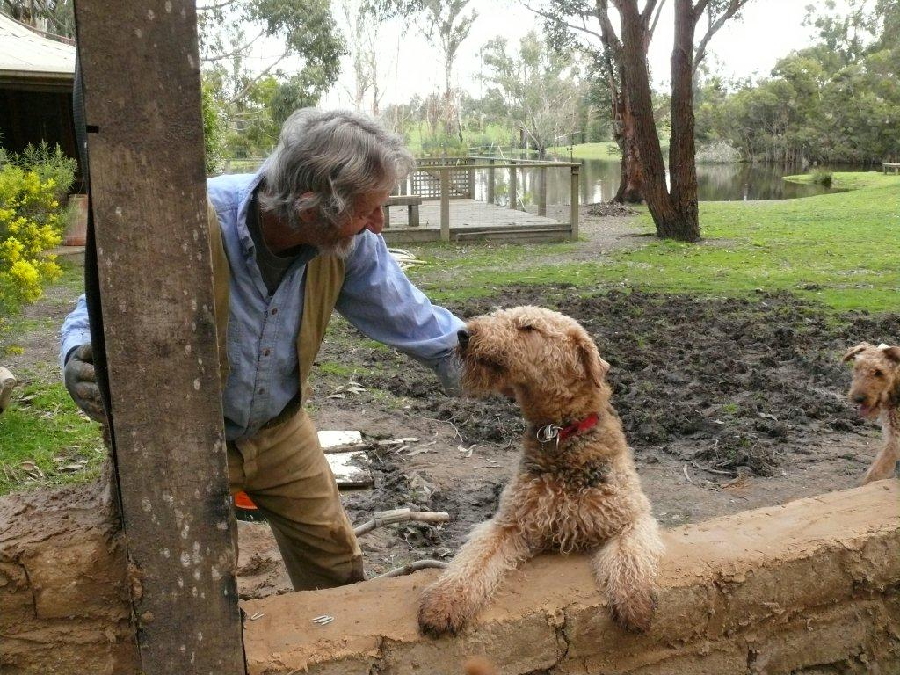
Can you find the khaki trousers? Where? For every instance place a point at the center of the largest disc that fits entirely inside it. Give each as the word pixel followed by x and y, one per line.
pixel 284 471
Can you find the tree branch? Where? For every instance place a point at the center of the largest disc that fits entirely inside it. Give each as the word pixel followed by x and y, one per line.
pixel 559 21
pixel 238 50
pixel 733 8
pixel 237 97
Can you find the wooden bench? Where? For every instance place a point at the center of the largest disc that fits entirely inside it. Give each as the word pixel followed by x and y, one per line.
pixel 412 202
pixel 893 166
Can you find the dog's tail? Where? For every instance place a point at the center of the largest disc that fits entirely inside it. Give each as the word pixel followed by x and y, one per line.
pixel 478 665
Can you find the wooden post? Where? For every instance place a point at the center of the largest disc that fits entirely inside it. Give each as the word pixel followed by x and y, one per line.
pixel 573 202
pixel 491 182
pixel 471 179
pixel 542 191
pixel 445 204
pixel 513 187
pixel 142 105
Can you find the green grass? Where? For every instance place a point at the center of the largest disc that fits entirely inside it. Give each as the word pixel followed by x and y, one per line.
pixel 606 151
pixel 44 440
pixel 819 247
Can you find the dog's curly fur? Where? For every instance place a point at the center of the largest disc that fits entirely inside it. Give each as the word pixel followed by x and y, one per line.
pixel 581 494
pixel 876 390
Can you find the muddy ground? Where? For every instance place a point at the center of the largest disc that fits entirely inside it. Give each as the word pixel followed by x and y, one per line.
pixel 728 405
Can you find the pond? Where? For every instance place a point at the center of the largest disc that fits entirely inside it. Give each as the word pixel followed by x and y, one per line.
pixel 715 182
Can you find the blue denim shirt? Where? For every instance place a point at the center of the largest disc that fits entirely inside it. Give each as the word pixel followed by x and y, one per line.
pixel 376 297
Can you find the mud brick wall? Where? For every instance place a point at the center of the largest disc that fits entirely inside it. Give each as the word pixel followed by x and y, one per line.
pixel 809 587
pixel 64 607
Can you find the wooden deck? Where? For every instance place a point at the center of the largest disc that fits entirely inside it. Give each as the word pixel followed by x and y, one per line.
pixel 474 220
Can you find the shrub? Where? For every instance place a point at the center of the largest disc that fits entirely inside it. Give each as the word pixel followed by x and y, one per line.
pixel 31 222
pixel 821 177
pixel 717 152
pixel 49 165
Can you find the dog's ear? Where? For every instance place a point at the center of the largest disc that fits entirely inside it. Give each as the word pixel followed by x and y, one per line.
pixel 594 367
pixel 853 351
pixel 892 353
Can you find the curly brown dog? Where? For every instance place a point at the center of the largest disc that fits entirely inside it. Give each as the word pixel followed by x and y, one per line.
pixel 876 390
pixel 576 488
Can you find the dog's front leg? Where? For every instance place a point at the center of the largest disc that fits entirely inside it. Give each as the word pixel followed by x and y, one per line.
pixel 886 460
pixel 627 567
pixel 470 580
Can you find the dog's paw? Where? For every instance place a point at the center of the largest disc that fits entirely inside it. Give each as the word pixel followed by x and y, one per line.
pixel 441 614
pixel 636 614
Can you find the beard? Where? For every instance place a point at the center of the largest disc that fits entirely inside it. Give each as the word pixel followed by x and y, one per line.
pixel 342 248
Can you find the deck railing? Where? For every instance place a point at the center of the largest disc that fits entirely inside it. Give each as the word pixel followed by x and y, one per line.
pixel 446 178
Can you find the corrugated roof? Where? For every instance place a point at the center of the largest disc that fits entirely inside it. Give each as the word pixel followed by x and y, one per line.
pixel 25 54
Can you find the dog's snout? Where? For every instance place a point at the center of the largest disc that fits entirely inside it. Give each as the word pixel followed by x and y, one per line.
pixel 463 337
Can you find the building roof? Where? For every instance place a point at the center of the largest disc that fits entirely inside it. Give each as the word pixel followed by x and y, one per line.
pixel 27 57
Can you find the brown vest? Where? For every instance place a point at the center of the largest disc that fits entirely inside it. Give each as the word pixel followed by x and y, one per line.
pixel 324 278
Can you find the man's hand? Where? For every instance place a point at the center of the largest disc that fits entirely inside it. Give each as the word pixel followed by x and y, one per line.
pixel 81 381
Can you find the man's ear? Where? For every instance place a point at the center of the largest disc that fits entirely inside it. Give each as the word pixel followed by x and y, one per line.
pixel 307 214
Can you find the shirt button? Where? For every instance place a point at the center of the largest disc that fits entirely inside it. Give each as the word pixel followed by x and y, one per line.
pixel 267 352
pixel 274 311
pixel 261 390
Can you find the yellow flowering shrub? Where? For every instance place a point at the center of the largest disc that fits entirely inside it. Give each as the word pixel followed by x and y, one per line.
pixel 31 223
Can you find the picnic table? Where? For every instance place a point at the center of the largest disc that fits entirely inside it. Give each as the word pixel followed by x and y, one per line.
pixel 892 166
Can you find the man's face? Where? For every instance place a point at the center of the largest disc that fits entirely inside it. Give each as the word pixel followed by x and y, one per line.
pixel 367 214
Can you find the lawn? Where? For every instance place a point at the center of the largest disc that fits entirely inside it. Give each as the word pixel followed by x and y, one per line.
pixel 819 247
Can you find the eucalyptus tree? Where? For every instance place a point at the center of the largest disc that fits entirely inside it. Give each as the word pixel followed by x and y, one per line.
pixel 542 89
pixel 588 24
pixel 298 37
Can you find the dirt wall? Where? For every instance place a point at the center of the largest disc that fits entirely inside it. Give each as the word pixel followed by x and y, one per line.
pixel 809 587
pixel 64 607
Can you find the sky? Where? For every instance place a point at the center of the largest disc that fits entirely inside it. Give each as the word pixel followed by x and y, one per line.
pixel 409 65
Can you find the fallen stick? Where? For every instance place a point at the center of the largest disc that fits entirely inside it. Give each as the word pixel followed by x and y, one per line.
pixel 412 567
pixel 401 516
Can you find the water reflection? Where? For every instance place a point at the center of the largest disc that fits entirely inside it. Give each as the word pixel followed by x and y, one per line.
pixel 725 182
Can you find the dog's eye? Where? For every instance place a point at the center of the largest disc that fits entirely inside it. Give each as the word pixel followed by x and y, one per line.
pixel 878 372
pixel 527 327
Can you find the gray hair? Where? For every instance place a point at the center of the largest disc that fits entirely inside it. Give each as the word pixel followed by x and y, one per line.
pixel 336 155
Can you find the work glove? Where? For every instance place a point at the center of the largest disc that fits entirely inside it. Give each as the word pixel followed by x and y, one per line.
pixel 81 381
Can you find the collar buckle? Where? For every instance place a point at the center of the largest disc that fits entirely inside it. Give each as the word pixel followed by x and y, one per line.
pixel 548 432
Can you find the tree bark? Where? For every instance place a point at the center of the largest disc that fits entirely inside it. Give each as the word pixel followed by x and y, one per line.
pixel 682 165
pixel 637 87
pixel 632 173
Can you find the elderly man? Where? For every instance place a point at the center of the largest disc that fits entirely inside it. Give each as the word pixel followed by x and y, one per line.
pixel 290 244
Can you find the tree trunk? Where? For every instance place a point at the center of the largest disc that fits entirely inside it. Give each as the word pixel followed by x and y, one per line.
pixel 637 87
pixel 632 174
pixel 682 166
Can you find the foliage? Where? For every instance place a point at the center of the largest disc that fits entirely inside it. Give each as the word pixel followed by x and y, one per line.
pixel 822 177
pixel 717 152
pixel 541 89
pixel 53 16
pixel 31 222
pixel 837 101
pixel 50 165
pixel 253 101
pixel 213 129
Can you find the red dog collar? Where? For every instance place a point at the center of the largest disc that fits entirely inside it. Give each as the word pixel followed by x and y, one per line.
pixel 550 432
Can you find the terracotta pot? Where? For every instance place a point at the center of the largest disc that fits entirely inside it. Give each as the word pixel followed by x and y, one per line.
pixel 76 232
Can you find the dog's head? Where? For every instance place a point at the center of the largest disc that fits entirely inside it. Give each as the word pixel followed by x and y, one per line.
pixel 543 358
pixel 876 377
